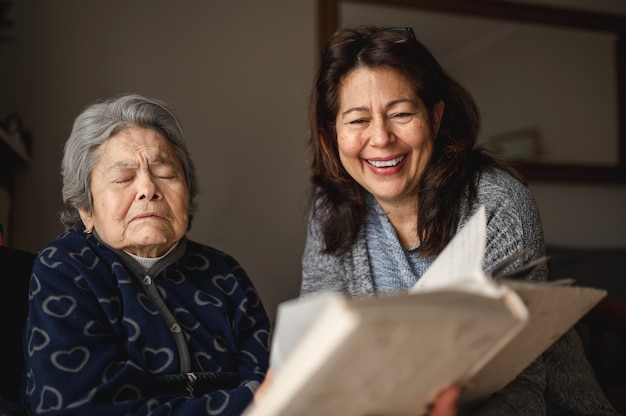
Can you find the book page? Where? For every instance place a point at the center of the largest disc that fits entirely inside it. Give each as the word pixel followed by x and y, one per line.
pixel 460 264
pixel 386 355
pixel 553 308
pixel 294 318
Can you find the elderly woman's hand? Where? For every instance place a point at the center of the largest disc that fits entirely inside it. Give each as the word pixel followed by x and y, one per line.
pixel 264 385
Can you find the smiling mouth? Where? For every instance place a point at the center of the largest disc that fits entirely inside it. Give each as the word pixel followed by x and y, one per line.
pixel 386 163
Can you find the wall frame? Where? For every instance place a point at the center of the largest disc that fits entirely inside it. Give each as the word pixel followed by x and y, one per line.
pixel 329 20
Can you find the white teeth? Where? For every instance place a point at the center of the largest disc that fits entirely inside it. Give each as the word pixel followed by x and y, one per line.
pixel 386 163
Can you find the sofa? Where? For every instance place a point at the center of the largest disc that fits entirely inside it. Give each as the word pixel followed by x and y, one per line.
pixel 603 329
pixel 15 273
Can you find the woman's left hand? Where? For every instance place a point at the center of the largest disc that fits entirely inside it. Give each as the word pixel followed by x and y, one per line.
pixel 446 402
pixel 264 385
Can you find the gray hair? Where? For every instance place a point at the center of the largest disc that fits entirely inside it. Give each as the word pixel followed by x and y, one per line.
pixel 94 126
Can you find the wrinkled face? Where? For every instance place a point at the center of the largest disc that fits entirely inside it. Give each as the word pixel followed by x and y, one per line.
pixel 140 198
pixel 385 134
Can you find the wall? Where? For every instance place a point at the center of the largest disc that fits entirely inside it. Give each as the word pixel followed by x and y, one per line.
pixel 583 215
pixel 238 74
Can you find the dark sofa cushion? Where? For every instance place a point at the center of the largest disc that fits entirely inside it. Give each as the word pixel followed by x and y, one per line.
pixel 15 270
pixel 603 329
pixel 593 267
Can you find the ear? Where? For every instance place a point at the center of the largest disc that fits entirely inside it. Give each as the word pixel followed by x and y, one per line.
pixel 437 115
pixel 87 219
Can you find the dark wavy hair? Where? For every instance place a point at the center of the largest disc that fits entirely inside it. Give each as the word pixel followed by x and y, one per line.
pixel 449 182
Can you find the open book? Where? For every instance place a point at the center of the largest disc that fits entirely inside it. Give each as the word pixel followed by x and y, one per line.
pixel 391 355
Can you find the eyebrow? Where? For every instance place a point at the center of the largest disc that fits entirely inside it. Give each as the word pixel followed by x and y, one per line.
pixel 126 164
pixel 387 106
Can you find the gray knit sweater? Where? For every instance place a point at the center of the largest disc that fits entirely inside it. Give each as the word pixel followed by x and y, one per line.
pixel 561 381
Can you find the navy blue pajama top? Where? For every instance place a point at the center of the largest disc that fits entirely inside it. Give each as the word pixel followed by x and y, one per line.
pixel 104 337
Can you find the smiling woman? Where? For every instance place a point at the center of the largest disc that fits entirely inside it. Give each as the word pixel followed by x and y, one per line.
pixel 396 173
pixel 532 69
pixel 385 137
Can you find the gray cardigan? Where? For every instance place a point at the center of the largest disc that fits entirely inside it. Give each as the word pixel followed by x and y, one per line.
pixel 561 381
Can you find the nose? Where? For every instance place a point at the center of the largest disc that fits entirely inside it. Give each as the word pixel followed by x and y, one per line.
pixel 147 188
pixel 380 134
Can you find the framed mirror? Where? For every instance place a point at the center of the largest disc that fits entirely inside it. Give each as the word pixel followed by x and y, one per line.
pixel 550 82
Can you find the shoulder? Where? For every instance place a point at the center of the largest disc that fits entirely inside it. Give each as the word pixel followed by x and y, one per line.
pixel 73 252
pixel 65 247
pixel 218 261
pixel 194 247
pixel 498 182
pixel 513 220
pixel 74 263
pixel 503 194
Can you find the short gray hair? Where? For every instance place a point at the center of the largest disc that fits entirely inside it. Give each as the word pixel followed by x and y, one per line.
pixel 94 126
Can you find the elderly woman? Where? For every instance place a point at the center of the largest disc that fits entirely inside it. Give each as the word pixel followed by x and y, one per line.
pixel 126 315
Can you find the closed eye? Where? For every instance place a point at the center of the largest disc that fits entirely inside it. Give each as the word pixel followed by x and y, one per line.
pixel 165 171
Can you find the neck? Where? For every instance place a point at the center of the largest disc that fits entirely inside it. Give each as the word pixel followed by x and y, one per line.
pixel 403 218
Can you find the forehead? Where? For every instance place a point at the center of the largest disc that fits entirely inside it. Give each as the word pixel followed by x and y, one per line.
pixel 137 143
pixel 382 81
